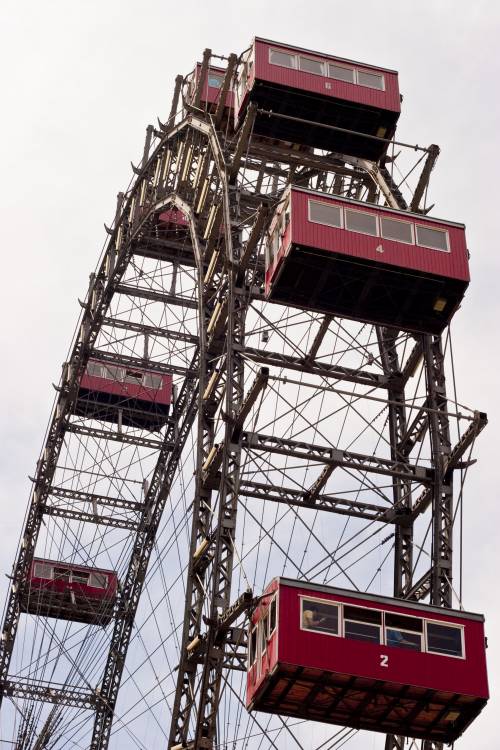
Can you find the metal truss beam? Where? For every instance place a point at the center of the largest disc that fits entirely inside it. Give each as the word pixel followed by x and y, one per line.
pixel 313 367
pixel 80 515
pixel 329 503
pixel 148 330
pixel 96 500
pixel 149 294
pixel 47 692
pixel 114 435
pixel 328 455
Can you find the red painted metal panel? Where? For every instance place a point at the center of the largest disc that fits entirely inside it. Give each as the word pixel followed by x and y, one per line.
pixel 138 391
pixel 388 99
pixel 453 264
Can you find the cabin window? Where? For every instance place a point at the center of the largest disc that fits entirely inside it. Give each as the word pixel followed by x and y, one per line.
pixel 285 59
pixel 362 624
pixel 403 632
pixel 94 369
pixel 252 646
pixel 215 81
pixel 272 617
pixel 372 80
pixel 132 376
pixel 437 239
pixel 311 66
pixel 360 221
pixel 263 634
pixel 111 372
pixel 62 574
pixel 78 576
pixel 42 570
pixel 98 580
pixel 320 616
pixel 393 229
pixel 444 639
pixel 325 213
pixel 340 73
pixel 152 381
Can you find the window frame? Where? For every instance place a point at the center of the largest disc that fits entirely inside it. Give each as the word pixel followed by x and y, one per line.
pixel 344 67
pixel 373 73
pixel 436 229
pixel 380 627
pixel 336 604
pixel 330 205
pixel 445 624
pixel 274 601
pixel 264 627
pixel 48 565
pixel 81 573
pixel 401 221
pixel 365 213
pixel 252 652
pixel 218 76
pixel 284 52
pixel 99 573
pixel 312 59
pixel 421 650
pixel 95 365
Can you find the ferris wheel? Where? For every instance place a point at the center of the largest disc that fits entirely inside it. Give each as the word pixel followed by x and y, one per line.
pixel 241 528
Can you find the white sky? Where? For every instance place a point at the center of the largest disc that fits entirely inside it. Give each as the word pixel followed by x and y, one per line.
pixel 82 79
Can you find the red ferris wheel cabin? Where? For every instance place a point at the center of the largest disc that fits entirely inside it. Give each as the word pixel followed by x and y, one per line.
pixel 113 393
pixel 211 90
pixel 362 261
pixel 365 661
pixel 295 83
pixel 69 592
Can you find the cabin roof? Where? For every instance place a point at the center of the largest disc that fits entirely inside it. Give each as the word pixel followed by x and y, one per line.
pixel 324 54
pixel 376 599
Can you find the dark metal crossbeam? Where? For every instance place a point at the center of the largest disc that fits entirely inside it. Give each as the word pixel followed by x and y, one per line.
pixel 328 503
pixel 314 367
pixel 154 296
pixel 115 435
pixel 48 692
pixel 148 330
pixel 80 515
pixel 328 455
pixel 95 499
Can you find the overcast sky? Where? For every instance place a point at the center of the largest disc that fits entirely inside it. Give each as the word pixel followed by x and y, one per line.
pixel 81 81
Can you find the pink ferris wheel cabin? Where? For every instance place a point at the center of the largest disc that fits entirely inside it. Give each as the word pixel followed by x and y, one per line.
pixel 366 262
pixel 295 88
pixel 127 395
pixel 211 90
pixel 371 662
pixel 69 592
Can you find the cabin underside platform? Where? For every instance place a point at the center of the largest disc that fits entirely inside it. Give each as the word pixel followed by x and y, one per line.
pixel 326 110
pixel 62 606
pixel 377 293
pixel 363 703
pixel 132 412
